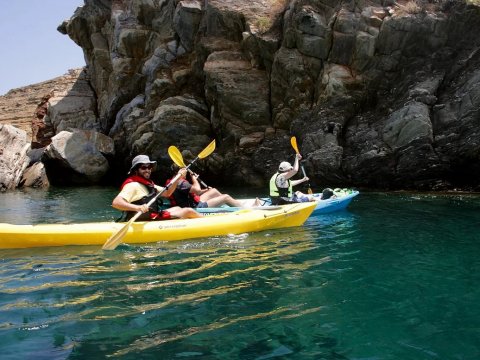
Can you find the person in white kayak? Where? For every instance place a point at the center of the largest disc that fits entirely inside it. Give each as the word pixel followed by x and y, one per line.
pixel 281 187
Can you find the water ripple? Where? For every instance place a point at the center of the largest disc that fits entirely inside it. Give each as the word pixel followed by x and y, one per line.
pixel 394 277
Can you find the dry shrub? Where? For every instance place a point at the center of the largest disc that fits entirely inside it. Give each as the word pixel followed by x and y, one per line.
pixel 263 23
pixel 413 7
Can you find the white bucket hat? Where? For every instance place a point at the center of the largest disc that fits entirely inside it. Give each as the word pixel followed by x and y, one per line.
pixel 141 159
pixel 285 166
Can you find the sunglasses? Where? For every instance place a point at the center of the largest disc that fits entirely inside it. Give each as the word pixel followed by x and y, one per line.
pixel 145 167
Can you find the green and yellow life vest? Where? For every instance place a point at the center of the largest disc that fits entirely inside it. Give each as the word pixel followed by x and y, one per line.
pixel 275 191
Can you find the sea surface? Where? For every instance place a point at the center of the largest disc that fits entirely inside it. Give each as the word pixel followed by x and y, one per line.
pixel 396 276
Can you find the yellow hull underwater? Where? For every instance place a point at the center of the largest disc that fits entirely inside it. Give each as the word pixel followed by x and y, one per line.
pixel 246 220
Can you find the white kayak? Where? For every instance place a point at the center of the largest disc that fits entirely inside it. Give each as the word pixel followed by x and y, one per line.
pixel 339 201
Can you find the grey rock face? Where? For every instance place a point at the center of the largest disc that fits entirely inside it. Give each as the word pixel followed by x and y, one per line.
pixel 78 157
pixel 186 20
pixel 35 176
pixel 13 156
pixel 379 94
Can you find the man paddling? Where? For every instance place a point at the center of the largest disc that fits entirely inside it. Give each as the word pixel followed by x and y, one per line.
pixel 138 189
pixel 281 191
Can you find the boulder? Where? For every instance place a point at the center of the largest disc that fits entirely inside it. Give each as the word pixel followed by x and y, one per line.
pixel 35 176
pixel 186 20
pixel 13 156
pixel 78 157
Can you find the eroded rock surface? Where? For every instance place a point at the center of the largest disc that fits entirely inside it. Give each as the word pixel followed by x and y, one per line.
pixel 379 94
pixel 13 156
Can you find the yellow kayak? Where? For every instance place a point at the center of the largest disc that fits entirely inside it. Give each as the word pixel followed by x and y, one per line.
pixel 242 221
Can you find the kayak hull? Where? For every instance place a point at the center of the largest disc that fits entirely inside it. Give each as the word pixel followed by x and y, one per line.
pixel 243 221
pixel 337 203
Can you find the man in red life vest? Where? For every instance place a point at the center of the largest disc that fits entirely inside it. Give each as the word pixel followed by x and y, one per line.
pixel 138 189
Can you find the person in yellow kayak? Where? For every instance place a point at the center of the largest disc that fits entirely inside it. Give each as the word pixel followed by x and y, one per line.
pixel 190 193
pixel 281 187
pixel 138 189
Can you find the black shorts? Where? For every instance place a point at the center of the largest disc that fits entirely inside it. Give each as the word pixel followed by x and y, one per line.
pixel 282 201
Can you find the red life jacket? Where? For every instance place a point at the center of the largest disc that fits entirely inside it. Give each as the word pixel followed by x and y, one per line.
pixel 139 179
pixel 183 197
pixel 155 213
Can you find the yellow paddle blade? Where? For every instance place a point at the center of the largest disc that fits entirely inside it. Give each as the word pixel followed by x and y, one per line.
pixel 293 141
pixel 310 191
pixel 176 156
pixel 116 238
pixel 207 151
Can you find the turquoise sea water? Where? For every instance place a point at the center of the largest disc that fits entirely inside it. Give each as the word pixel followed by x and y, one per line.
pixel 396 276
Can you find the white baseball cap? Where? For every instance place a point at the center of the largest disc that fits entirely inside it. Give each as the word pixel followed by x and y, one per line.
pixel 285 166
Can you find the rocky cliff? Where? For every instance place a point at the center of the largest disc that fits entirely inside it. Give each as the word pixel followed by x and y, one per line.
pixel 380 94
pixel 49 134
pixel 68 97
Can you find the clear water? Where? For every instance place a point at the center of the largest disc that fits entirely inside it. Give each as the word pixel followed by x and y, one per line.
pixel 397 276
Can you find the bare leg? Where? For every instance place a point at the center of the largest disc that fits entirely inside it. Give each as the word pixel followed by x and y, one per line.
pixel 210 194
pixel 184 213
pixel 251 203
pixel 300 195
pixel 223 199
pixel 215 198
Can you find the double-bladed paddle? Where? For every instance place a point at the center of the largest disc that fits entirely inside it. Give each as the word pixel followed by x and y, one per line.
pixel 116 238
pixel 293 141
pixel 177 158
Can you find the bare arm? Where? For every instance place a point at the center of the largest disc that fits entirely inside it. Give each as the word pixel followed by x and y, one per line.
pixel 173 185
pixel 292 172
pixel 121 204
pixel 298 157
pixel 296 182
pixel 196 188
